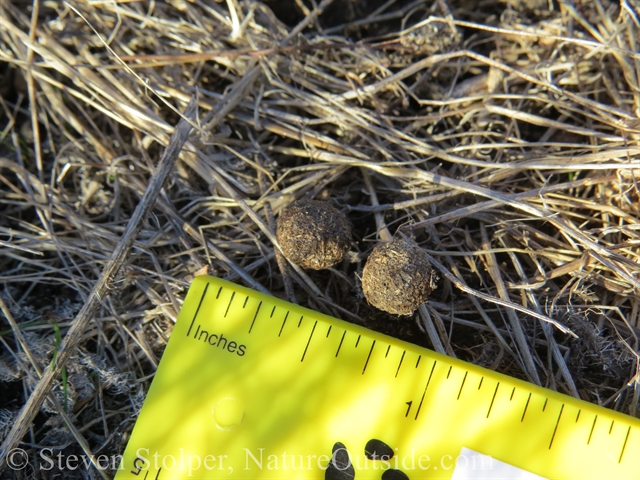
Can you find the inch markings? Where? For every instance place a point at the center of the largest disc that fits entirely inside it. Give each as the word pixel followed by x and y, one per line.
pixel 462 419
pixel 228 306
pixel 368 357
pixel 624 445
pixel 283 323
pixel 493 399
pixel 309 341
pixel 255 316
pixel 400 364
pixel 592 427
pixel 525 408
pixel 556 427
pixel 425 389
pixel 206 287
pixel 340 346
pixel 462 386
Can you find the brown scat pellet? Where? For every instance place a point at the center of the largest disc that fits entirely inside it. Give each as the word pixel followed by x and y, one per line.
pixel 313 234
pixel 397 277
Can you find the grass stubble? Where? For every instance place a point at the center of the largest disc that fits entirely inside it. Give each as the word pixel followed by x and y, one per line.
pixel 500 136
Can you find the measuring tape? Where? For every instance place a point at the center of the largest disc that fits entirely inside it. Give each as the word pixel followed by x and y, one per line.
pixel 253 387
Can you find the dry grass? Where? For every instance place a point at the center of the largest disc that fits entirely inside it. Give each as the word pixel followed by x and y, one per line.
pixel 502 136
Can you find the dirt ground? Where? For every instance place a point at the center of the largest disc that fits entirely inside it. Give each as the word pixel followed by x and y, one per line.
pixel 501 136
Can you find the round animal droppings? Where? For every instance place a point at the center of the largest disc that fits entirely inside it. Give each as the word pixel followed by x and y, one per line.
pixel 397 277
pixel 313 234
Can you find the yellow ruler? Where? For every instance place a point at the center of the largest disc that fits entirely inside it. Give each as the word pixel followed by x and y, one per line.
pixel 254 387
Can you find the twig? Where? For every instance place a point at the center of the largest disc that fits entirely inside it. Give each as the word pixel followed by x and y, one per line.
pixel 382 228
pixel 516 327
pixel 102 286
pixel 60 410
pixel 498 301
pixel 427 322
